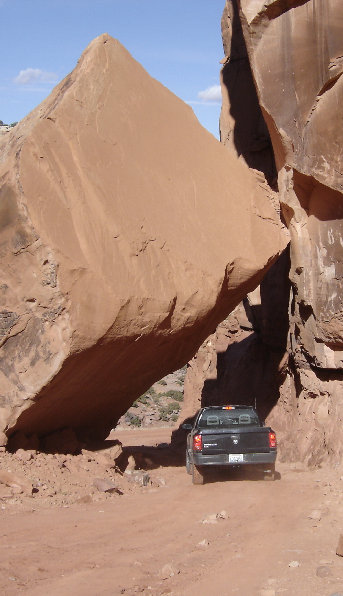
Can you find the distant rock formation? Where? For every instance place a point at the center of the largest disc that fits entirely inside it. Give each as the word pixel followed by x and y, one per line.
pixel 4 128
pixel 127 234
pixel 282 113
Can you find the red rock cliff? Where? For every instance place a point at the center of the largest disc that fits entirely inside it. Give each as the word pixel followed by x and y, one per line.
pixel 127 234
pixel 282 114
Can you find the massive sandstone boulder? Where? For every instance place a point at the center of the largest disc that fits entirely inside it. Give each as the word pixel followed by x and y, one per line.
pixel 282 113
pixel 127 234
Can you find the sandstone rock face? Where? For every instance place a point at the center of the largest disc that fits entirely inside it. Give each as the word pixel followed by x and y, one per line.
pixel 242 126
pixel 127 233
pixel 300 91
pixel 284 59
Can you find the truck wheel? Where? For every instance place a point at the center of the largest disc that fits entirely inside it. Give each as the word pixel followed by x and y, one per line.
pixel 188 463
pixel 270 473
pixel 197 475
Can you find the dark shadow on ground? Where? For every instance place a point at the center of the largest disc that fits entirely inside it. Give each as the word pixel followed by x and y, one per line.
pixel 236 475
pixel 150 457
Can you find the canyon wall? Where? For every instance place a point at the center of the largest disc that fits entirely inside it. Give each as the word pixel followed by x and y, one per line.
pixel 282 115
pixel 128 232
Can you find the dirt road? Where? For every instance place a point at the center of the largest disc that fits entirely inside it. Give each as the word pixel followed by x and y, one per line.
pixel 274 538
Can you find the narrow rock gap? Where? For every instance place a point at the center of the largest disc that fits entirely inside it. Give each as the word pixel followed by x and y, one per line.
pixel 248 364
pixel 249 134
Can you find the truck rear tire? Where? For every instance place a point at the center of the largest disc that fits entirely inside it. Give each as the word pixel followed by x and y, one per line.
pixel 197 475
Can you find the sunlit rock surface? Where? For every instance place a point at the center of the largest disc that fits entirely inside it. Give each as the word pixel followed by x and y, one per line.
pixel 282 114
pixel 127 234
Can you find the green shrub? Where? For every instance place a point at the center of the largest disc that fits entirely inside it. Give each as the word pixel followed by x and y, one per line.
pixel 143 399
pixel 162 382
pixel 174 394
pixel 132 419
pixel 167 411
pixel 164 415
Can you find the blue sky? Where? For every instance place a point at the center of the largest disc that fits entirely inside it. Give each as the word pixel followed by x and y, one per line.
pixel 177 41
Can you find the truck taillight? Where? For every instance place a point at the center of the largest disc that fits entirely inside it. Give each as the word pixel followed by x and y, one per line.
pixel 272 440
pixel 197 442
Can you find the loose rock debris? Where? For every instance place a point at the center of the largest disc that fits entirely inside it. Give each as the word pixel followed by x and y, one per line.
pixel 16 483
pixel 62 479
pixel 294 564
pixel 168 570
pixel 213 518
pixel 339 549
pixel 204 543
pixel 105 486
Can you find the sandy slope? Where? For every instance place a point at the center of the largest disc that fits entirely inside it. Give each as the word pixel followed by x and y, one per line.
pixel 120 546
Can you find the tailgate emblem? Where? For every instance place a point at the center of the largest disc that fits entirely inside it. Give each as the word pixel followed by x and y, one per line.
pixel 235 440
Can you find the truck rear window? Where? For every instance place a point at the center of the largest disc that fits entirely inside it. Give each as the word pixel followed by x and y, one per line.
pixel 225 418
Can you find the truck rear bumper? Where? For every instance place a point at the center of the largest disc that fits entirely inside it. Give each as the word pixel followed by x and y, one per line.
pixel 223 459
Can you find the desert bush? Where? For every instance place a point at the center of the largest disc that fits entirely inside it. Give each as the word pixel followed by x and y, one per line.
pixel 132 419
pixel 143 399
pixel 167 411
pixel 174 394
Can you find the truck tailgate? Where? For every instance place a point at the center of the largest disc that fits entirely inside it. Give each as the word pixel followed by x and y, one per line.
pixel 236 441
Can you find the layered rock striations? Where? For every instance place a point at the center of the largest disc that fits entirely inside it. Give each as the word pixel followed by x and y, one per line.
pixel 127 234
pixel 284 61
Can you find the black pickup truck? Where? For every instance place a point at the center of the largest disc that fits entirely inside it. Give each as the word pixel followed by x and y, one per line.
pixel 229 436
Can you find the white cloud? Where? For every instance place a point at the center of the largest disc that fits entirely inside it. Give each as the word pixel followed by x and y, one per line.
pixel 32 75
pixel 211 94
pixel 208 104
